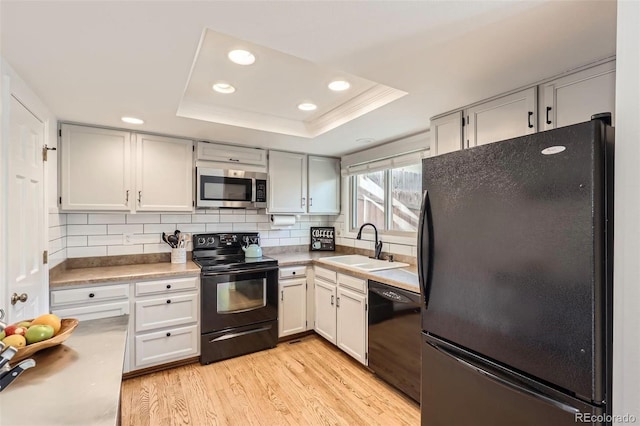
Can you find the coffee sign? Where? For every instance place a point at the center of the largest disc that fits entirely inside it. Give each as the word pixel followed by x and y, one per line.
pixel 323 238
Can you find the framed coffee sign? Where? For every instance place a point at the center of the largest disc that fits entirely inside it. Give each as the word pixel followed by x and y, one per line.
pixel 323 238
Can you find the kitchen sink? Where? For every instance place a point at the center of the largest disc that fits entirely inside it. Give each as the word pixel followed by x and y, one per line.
pixel 362 263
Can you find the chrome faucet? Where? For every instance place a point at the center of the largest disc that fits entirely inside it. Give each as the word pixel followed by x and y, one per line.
pixel 375 239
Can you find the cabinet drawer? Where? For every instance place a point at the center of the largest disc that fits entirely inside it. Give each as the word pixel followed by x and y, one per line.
pixel 167 345
pixel 293 271
pixel 166 286
pixel 166 312
pixel 89 294
pixel 95 311
pixel 326 274
pixel 357 284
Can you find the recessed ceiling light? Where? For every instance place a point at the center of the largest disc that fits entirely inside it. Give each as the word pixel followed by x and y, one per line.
pixel 339 85
pixel 132 120
pixel 241 57
pixel 224 88
pixel 307 106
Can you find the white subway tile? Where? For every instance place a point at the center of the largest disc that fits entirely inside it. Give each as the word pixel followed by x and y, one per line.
pixel 86 251
pixel 105 218
pixel 57 258
pixel 278 234
pixel 305 240
pixel 205 218
pixel 232 218
pixel 104 240
pixel 56 232
pixel 218 227
pixel 86 230
pixel 289 241
pixel 401 249
pixel 159 228
pixel 363 244
pixel 57 219
pixel 226 212
pixel 258 218
pixel 143 218
pixel 156 248
pixel 347 242
pixel 263 226
pixel 56 245
pixel 147 238
pixel 119 250
pixel 269 242
pixel 126 229
pixel 175 218
pixel 299 233
pixel 192 227
pixel 76 219
pixel 245 227
pixel 77 241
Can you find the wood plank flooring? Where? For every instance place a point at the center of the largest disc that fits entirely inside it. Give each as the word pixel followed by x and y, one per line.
pixel 310 382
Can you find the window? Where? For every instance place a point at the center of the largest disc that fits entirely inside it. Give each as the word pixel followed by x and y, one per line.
pixel 390 199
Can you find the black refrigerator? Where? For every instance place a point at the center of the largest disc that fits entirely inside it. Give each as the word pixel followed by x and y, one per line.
pixel 515 264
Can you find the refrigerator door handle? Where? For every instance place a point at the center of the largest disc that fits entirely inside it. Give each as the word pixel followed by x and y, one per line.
pixel 513 386
pixel 424 254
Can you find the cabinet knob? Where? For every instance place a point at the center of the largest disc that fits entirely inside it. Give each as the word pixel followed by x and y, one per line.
pixel 169 301
pixel 22 298
pixel 168 285
pixel 92 295
pixel 168 334
pixel 293 273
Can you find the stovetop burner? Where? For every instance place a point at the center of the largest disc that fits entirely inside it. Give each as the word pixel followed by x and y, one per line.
pixel 223 252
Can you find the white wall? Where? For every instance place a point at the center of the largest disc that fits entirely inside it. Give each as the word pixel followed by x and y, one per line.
pixel 97 234
pixel 626 346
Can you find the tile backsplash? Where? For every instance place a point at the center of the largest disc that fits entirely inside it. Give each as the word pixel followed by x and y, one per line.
pixel 111 234
pixel 57 238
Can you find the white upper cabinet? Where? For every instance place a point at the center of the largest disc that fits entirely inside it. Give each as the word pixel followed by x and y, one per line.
pixel 164 174
pixel 287 182
pixel 114 170
pixel 507 117
pixel 575 98
pixel 324 185
pixel 95 169
pixel 446 133
pixel 231 154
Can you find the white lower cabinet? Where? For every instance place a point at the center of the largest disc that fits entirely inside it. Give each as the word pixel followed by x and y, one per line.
pixel 167 345
pixel 341 311
pixel 292 307
pixel 91 302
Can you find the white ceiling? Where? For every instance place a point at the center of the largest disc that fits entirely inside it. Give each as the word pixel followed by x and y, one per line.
pixel 95 61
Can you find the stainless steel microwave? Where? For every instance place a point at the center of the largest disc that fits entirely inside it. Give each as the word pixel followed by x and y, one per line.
pixel 230 188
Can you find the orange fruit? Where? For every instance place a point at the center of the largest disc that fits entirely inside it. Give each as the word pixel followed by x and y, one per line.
pixel 49 319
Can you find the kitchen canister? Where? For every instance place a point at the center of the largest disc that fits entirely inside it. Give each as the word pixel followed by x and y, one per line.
pixel 178 255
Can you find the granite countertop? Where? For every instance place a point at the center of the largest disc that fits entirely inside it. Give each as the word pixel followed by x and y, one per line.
pixel 111 274
pixel 75 383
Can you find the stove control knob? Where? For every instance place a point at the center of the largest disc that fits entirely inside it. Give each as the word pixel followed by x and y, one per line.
pixel 201 241
pixel 210 240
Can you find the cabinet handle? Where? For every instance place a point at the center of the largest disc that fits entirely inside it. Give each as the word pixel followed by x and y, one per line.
pixel 168 285
pixel 304 201
pixel 337 302
pixel 169 301
pixel 332 300
pixel 168 334
pixel 548 109
pixel 310 201
pixel 126 200
pixel 233 159
pixel 139 197
pixel 282 295
pixel 529 119
pixel 92 295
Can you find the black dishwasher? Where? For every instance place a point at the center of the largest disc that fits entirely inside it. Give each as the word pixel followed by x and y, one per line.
pixel 394 337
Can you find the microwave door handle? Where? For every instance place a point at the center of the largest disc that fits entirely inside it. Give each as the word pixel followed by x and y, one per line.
pixel 253 190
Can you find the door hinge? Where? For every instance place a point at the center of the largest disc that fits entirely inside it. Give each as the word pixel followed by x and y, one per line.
pixel 60 200
pixel 463 121
pixel 45 257
pixel 193 148
pixel 306 324
pixel 45 148
pixel 193 203
pixel 366 306
pixel 366 355
pixel 60 132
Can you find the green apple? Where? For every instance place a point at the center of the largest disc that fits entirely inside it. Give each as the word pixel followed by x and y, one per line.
pixel 2 335
pixel 38 333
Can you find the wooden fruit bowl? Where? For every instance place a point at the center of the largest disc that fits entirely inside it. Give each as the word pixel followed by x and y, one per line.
pixel 68 325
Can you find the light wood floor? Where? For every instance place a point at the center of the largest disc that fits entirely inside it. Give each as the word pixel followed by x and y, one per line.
pixel 306 383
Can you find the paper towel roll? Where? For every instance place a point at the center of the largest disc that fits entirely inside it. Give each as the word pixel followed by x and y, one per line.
pixel 283 220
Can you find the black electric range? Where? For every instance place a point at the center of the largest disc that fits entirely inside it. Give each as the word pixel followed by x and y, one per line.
pixel 239 296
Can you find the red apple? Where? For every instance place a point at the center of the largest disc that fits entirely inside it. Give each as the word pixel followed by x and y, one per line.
pixel 14 329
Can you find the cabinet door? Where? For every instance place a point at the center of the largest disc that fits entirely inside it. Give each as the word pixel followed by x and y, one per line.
pixel 95 173
pixel 164 174
pixel 325 315
pixel 231 154
pixel 503 118
pixel 352 323
pixel 292 309
pixel 96 311
pixel 324 185
pixel 287 182
pixel 446 133
pixel 576 97
pixel 167 311
pixel 160 347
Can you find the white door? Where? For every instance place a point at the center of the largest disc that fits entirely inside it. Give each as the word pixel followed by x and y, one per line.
pixel 25 219
pixel 95 173
pixel 352 323
pixel 164 176
pixel 287 182
pixel 325 303
pixel 575 98
pixel 503 118
pixel 292 315
pixel 324 185
pixel 447 133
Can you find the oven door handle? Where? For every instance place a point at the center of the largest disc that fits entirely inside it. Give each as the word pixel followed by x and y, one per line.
pixel 240 271
pixel 240 333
